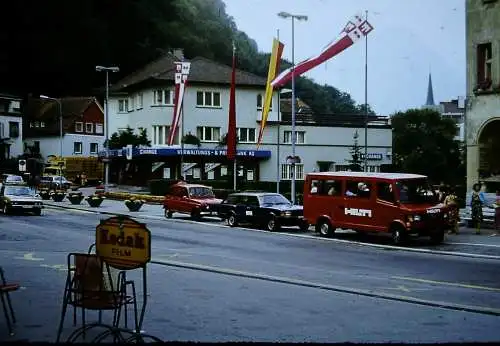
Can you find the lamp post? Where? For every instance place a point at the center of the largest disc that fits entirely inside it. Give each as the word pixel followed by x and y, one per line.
pixel 44 97
pixel 106 133
pixel 287 15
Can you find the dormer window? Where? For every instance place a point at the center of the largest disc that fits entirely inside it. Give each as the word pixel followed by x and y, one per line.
pixel 89 127
pixel 78 127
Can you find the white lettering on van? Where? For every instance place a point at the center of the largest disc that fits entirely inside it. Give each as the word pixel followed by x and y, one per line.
pixel 433 211
pixel 358 212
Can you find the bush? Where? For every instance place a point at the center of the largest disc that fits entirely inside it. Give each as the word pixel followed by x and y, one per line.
pixel 160 187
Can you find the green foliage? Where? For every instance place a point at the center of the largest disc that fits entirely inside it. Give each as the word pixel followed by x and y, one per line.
pixel 191 139
pixel 423 143
pixel 130 36
pixel 126 137
pixel 355 162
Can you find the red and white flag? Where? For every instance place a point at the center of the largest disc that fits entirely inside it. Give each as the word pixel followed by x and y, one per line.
pixel 356 28
pixel 181 74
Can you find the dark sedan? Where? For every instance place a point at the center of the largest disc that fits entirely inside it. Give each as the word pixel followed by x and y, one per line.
pixel 267 210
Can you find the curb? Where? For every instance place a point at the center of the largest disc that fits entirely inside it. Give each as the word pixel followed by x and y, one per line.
pixel 379 246
pixel 332 288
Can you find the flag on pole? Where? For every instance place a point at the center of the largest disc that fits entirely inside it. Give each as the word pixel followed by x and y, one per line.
pixel 181 75
pixel 274 65
pixel 355 28
pixel 231 130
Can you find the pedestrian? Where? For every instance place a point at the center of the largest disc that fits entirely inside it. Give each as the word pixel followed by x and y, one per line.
pixel 477 202
pixel 453 214
pixel 83 178
pixel 497 211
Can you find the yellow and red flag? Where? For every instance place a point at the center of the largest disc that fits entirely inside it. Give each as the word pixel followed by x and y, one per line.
pixel 274 65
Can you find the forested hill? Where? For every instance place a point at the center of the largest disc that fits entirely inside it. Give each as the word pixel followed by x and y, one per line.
pixel 52 47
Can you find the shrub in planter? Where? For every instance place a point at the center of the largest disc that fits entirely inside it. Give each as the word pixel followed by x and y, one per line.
pixel 95 200
pixel 45 194
pixel 134 204
pixel 58 196
pixel 75 197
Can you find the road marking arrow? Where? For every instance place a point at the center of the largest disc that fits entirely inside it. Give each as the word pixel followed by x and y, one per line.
pixel 30 257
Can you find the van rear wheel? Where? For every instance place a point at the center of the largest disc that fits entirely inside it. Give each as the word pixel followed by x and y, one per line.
pixel 324 228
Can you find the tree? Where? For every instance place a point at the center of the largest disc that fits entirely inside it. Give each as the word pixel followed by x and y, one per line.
pixel 355 151
pixel 126 137
pixel 424 143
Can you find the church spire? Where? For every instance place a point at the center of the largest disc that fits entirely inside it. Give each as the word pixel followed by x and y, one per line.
pixel 430 93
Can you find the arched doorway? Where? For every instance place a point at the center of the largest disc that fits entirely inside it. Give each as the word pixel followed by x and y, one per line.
pixel 489 150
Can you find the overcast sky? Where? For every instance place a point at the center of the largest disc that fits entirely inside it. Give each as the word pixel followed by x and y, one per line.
pixel 410 38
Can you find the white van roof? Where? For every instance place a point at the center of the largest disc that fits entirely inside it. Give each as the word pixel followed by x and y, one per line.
pixel 391 176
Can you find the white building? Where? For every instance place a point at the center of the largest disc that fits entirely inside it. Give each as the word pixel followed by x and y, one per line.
pixel 145 100
pixel 11 124
pixel 82 132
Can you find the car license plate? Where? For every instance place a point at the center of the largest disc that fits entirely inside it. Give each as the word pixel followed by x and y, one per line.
pixel 249 213
pixel 28 206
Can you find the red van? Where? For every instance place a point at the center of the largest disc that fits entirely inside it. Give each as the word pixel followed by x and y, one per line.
pixel 397 203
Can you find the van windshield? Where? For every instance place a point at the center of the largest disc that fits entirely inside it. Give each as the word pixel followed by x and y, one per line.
pixel 415 191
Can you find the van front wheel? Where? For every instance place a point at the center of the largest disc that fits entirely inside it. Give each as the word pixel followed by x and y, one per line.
pixel 324 228
pixel 399 236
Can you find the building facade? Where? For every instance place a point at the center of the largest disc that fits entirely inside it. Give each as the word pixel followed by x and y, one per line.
pixel 145 100
pixel 11 126
pixel 483 90
pixel 82 127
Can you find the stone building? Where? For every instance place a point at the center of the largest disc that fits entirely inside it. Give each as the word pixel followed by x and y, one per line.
pixel 483 90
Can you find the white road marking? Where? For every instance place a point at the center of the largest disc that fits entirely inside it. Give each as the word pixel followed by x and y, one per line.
pixel 29 257
pixel 475 244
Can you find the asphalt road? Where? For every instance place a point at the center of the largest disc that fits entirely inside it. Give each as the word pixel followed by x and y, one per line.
pixel 212 283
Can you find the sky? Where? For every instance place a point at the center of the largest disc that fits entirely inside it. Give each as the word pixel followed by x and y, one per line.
pixel 410 39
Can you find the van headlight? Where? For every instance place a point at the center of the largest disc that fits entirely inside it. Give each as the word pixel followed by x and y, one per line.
pixel 412 218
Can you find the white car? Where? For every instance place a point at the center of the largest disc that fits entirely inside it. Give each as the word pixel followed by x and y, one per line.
pixel 21 198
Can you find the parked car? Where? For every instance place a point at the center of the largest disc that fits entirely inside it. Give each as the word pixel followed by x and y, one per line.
pixel 55 182
pixel 268 210
pixel 193 199
pixel 11 178
pixel 21 198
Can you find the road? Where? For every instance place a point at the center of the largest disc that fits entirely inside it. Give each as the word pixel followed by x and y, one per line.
pixel 213 283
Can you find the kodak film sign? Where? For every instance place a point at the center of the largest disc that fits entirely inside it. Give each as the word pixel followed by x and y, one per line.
pixel 123 242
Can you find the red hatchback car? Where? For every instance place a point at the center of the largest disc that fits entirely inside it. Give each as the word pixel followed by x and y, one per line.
pixel 193 199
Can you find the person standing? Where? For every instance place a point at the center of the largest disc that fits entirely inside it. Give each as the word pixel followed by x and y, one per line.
pixel 477 201
pixel 453 215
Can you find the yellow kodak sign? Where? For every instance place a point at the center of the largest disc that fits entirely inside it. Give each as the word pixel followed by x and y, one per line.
pixel 123 242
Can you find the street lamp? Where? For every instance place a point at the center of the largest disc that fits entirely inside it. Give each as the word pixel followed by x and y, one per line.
pixel 287 15
pixel 44 97
pixel 106 133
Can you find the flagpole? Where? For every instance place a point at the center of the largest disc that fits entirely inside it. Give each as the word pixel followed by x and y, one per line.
pixel 278 176
pixel 183 174
pixel 366 97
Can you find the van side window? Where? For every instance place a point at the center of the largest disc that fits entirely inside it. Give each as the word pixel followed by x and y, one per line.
pixel 331 188
pixel 357 189
pixel 314 187
pixel 385 192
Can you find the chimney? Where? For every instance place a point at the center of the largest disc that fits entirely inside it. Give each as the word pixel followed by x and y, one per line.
pixel 178 53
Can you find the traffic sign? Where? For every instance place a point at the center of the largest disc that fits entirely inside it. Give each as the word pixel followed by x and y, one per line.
pixel 22 165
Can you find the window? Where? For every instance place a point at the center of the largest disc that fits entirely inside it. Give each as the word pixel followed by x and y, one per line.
pixel 77 147
pixel 89 127
pixel 207 99
pixel 342 168
pixel 299 135
pixel 246 135
pixel 99 129
pixel 139 100
pixel 161 133
pixel 42 124
pixel 163 97
pixel 123 106
pixel 208 134
pixel 357 189
pixel 13 129
pixel 94 147
pixel 385 192
pixel 484 64
pixel 330 187
pixel 78 127
pixel 260 102
pixel 131 103
pixel 286 171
